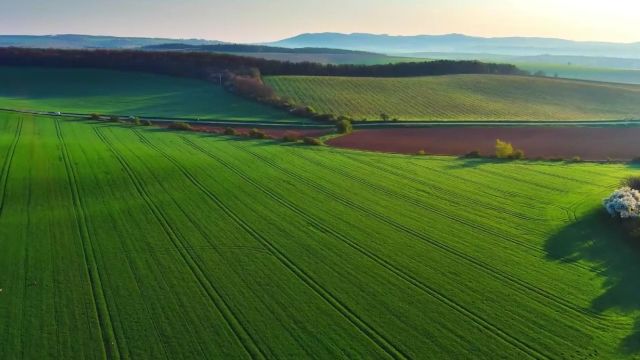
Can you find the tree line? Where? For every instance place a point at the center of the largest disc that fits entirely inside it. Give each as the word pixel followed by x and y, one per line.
pixel 209 66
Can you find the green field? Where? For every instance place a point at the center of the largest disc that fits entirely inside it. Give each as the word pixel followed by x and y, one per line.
pixel 463 97
pixel 622 76
pixel 129 242
pixel 125 93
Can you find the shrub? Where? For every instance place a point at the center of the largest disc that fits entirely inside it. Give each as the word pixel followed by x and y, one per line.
pixel 147 122
pixel 179 125
pixel 503 149
pixel 623 203
pixel 291 136
pixel 311 141
pixel 258 134
pixel 324 117
pixel 384 117
pixel 472 154
pixel 136 121
pixel 344 127
pixel 632 182
pixel 114 118
pixel 422 152
pixel 230 131
pixel 517 155
pixel 576 159
pixel 94 117
pixel 303 111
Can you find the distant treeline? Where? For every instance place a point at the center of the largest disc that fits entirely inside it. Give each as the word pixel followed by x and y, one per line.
pixel 206 66
pixel 242 48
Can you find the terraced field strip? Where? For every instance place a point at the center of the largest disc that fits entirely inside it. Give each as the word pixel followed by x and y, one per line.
pixel 462 97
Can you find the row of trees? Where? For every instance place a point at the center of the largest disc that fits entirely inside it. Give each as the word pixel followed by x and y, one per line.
pixel 209 66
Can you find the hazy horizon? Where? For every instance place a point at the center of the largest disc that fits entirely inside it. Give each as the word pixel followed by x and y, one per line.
pixel 256 21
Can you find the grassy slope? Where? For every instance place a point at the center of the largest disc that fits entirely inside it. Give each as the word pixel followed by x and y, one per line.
pixel 463 97
pixel 162 244
pixel 622 76
pixel 124 93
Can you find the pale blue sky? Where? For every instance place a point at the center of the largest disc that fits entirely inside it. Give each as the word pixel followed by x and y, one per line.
pixel 262 20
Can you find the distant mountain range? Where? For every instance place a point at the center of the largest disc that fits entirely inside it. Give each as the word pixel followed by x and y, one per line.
pixel 457 43
pixel 72 41
pixel 337 43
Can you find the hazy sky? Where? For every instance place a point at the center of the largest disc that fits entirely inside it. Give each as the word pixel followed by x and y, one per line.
pixel 265 20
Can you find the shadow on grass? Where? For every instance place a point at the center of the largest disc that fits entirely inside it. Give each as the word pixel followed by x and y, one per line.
pixel 606 243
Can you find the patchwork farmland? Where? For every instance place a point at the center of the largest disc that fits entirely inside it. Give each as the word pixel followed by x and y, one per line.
pixel 136 242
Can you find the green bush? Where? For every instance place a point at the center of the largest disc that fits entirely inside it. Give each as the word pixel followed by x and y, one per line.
pixel 311 141
pixel 179 125
pixel 325 117
pixel 421 152
pixel 472 154
pixel 94 117
pixel 230 131
pixel 136 121
pixel 258 134
pixel 576 159
pixel 114 118
pixel 632 182
pixel 291 136
pixel 344 127
pixel 147 122
pixel 503 149
pixel 517 155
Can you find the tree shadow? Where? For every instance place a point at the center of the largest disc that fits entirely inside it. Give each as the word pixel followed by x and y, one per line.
pixel 607 244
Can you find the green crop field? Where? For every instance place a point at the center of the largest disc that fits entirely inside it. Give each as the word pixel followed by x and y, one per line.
pixel 125 93
pixel 463 97
pixel 133 242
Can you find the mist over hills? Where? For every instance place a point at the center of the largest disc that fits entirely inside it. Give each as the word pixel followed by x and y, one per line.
pixel 74 41
pixel 458 43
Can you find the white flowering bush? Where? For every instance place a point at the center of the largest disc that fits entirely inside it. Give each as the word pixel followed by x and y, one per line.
pixel 623 203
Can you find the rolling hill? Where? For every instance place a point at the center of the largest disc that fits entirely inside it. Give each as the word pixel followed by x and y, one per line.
pixel 74 41
pixel 126 93
pixel 316 55
pixel 458 43
pixel 462 97
pixel 129 242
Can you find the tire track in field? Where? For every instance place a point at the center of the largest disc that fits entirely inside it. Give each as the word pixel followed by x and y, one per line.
pixel 570 212
pixel 340 307
pixel 239 331
pixel 6 167
pixel 495 272
pixel 429 290
pixel 413 201
pixel 110 344
pixel 437 190
pixel 504 191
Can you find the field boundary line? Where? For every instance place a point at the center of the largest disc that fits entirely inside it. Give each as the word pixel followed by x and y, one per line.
pixel 110 344
pixel 367 253
pixel 346 312
pixel 242 335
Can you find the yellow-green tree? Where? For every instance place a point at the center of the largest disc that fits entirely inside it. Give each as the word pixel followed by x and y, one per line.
pixel 504 149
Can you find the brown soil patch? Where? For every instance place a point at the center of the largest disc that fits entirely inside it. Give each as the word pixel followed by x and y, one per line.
pixel 590 143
